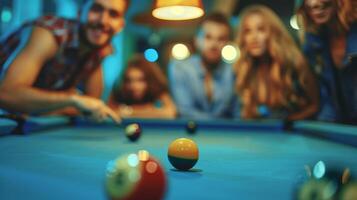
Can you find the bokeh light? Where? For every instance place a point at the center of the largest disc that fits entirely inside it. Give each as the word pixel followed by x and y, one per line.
pixel 180 51
pixel 143 155
pixel 133 160
pixel 6 15
pixel 177 12
pixel 294 23
pixel 151 55
pixel 319 169
pixel 151 167
pixel 133 176
pixel 111 167
pixel 230 53
pixel 346 175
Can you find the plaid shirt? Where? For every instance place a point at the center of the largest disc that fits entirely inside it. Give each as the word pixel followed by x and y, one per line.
pixel 68 67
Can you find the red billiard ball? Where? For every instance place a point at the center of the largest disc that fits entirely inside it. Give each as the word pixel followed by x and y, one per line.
pixel 135 176
pixel 133 132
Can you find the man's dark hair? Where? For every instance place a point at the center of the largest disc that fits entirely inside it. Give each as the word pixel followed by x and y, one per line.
pixel 127 4
pixel 87 6
pixel 216 17
pixel 219 18
pixel 154 78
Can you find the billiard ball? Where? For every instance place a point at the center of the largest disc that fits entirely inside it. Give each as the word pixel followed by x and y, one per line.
pixel 133 132
pixel 135 176
pixel 323 182
pixel 349 192
pixel 183 154
pixel 191 127
pixel 317 189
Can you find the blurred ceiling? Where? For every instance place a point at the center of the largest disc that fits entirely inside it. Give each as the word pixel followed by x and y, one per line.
pixel 141 21
pixel 283 8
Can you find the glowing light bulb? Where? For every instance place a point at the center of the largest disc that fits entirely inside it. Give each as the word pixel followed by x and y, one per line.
pixel 180 51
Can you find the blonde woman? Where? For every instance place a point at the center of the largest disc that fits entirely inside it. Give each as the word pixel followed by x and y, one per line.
pixel 273 79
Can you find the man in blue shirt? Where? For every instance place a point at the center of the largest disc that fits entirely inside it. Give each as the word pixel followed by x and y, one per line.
pixel 202 85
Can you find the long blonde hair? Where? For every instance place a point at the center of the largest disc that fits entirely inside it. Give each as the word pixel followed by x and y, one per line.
pixel 287 65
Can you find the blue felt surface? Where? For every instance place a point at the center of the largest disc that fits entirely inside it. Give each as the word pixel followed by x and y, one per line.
pixel 70 162
pixel 6 126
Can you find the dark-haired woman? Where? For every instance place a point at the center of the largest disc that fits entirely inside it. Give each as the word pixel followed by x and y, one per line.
pixel 142 92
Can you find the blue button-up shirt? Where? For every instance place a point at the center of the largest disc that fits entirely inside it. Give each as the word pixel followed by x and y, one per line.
pixel 187 87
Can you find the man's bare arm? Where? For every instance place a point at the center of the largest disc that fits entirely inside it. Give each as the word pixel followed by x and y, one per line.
pixel 94 84
pixel 18 94
pixel 16 91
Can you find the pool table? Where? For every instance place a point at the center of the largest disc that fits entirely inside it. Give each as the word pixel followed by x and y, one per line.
pixel 61 158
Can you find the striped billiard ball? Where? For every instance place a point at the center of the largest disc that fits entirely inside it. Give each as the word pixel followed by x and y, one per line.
pixel 133 132
pixel 135 176
pixel 183 154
